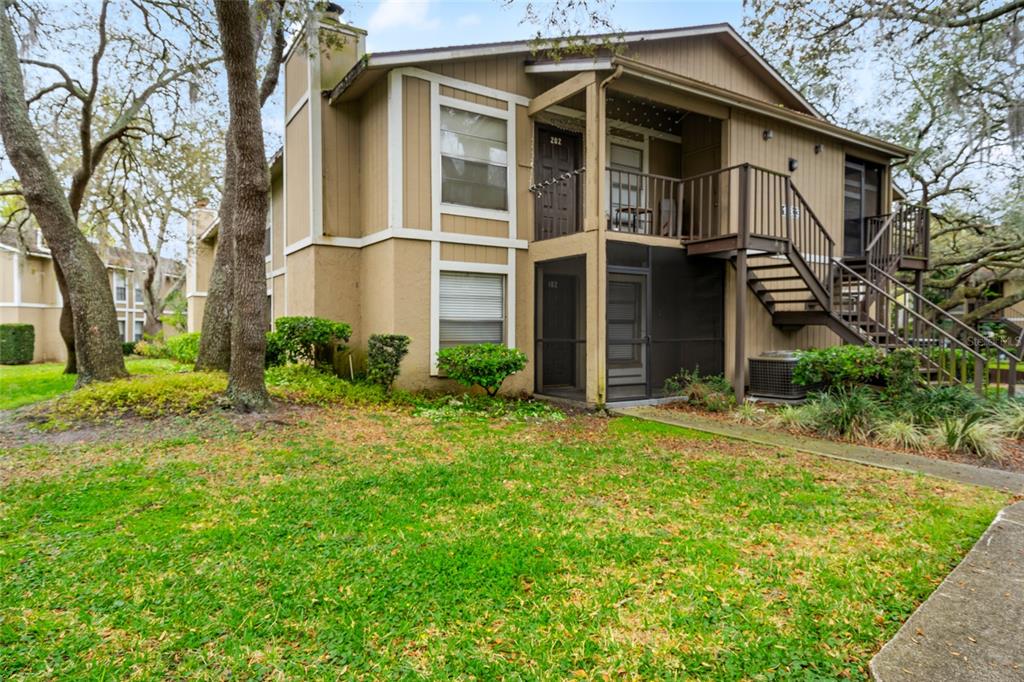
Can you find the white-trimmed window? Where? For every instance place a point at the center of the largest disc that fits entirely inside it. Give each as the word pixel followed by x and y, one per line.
pixel 120 289
pixel 474 159
pixel 138 293
pixel 122 329
pixel 137 331
pixel 472 308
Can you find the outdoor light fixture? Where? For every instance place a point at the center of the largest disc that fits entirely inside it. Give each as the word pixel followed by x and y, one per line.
pixel 792 165
pixel 767 134
pixel 818 148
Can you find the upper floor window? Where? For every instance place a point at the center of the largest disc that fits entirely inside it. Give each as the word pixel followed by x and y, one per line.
pixel 474 159
pixel 120 288
pixel 138 293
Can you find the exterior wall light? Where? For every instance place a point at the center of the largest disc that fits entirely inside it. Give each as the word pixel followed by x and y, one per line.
pixel 793 163
pixel 818 148
pixel 767 134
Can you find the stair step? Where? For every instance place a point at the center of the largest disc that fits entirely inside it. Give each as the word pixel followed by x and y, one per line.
pixel 784 278
pixel 786 290
pixel 773 266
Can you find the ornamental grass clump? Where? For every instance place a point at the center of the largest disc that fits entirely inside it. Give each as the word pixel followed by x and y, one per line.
pixel 901 433
pixel 709 392
pixel 972 435
pixel 849 412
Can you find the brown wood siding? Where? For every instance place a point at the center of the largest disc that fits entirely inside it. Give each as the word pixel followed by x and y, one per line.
pixel 501 73
pixel 465 96
pixel 295 79
pixel 277 222
pixel 819 177
pixel 296 168
pixel 665 158
pixel 340 165
pixel 524 174
pixel 706 59
pixel 478 226
pixel 374 158
pixel 416 204
pixel 470 253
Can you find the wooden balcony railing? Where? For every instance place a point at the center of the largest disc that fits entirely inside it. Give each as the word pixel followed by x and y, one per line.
pixel 742 201
pixel 894 236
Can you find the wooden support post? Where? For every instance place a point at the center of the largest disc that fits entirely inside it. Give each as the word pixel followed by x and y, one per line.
pixel 1011 380
pixel 740 342
pixel 979 369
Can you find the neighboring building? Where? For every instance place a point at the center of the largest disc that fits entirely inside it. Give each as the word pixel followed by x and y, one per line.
pixel 29 292
pixel 617 217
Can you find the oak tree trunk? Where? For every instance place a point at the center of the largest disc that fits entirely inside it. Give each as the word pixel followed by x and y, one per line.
pixel 96 339
pixel 246 386
pixel 67 321
pixel 215 339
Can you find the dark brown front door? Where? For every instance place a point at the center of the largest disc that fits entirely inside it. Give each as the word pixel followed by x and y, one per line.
pixel 557 211
pixel 862 193
pixel 559 330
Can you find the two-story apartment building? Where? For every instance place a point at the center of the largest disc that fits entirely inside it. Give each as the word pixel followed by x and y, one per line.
pixel 29 293
pixel 671 203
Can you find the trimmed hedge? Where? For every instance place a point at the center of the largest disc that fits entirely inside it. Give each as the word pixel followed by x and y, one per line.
pixel 306 339
pixel 17 343
pixel 384 358
pixel 482 364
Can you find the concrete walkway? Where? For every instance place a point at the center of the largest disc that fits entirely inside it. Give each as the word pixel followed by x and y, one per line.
pixel 953 471
pixel 972 627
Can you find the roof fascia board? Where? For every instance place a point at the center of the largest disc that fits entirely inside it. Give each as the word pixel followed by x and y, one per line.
pixel 653 74
pixel 571 66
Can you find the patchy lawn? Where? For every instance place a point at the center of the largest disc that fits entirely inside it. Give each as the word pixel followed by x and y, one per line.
pixel 371 543
pixel 26 384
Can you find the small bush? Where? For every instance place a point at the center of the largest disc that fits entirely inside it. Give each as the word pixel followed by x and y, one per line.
pixel 275 355
pixel 901 433
pixel 152 348
pixel 797 417
pixel 311 339
pixel 846 366
pixel 849 412
pixel 308 385
pixel 928 406
pixel 385 357
pixel 1010 418
pixel 149 396
pixel 184 348
pixel 128 348
pixel 484 364
pixel 17 343
pixel 713 392
pixel 971 435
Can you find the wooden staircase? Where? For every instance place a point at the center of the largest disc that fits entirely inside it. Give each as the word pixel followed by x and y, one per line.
pixel 790 267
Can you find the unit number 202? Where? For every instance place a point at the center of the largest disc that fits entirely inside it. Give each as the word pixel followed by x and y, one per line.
pixel 556 141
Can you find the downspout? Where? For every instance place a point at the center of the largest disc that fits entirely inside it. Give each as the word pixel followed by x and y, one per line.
pixel 602 240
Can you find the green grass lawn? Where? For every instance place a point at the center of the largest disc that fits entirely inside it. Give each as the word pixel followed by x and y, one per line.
pixel 375 544
pixel 26 384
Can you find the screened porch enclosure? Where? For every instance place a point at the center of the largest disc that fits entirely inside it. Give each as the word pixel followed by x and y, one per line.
pixel 665 312
pixel 561 345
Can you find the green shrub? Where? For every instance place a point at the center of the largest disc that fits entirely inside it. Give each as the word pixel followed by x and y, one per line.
pixel 971 435
pixel 128 348
pixel 1010 417
pixel 146 396
pixel 311 339
pixel 845 366
pixel 930 405
pixel 484 364
pixel 152 348
pixel 847 412
pixel 184 348
pixel 17 343
pixel 749 413
pixel 275 355
pixel 307 385
pixel 901 433
pixel 385 353
pixel 712 392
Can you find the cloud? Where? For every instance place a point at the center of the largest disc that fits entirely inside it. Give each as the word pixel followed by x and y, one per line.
pixel 403 13
pixel 469 20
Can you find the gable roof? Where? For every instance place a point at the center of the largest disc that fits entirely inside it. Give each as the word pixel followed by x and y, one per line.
pixel 724 31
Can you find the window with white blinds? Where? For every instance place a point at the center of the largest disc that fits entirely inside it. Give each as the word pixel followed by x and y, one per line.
pixel 474 159
pixel 472 308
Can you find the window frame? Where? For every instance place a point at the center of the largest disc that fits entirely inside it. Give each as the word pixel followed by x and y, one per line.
pixel 508 116
pixel 504 302
pixel 141 323
pixel 124 285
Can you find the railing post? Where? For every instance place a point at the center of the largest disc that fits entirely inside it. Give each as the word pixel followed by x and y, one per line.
pixel 789 209
pixel 1011 379
pixel 743 229
pixel 979 369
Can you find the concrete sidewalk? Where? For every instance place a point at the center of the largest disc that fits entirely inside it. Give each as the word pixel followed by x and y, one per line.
pixel 972 627
pixel 953 471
